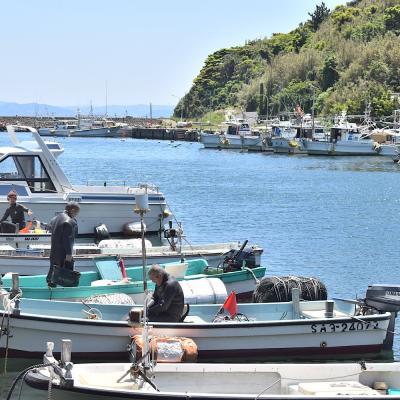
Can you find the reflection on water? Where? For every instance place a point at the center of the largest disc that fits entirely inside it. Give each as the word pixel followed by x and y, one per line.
pixel 356 164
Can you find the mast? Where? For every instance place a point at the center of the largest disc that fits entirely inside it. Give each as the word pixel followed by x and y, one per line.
pixel 106 99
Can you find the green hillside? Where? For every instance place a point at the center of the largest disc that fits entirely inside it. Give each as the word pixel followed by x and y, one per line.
pixel 342 58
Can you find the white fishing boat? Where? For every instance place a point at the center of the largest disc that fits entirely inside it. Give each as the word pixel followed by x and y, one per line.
pixel 237 135
pixel 349 139
pixel 43 187
pixel 177 381
pixel 288 136
pixel 387 141
pixel 82 127
pixel 28 254
pixel 309 329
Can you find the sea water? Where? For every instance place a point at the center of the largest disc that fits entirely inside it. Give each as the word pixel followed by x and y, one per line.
pixel 332 218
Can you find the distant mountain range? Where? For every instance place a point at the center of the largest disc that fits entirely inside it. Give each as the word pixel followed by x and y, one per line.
pixel 8 109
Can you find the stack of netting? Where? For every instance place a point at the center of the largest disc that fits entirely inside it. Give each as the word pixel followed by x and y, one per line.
pixel 279 288
pixel 112 298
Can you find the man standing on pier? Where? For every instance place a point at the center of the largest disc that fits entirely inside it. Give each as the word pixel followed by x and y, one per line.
pixel 63 229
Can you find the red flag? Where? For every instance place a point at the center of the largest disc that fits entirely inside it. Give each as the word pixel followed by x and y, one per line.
pixel 230 304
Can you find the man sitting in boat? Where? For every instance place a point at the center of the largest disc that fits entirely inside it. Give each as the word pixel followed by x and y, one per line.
pixel 16 212
pixel 168 300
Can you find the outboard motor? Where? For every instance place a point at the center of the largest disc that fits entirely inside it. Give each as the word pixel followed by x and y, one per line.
pixel 101 233
pixel 235 259
pixel 385 298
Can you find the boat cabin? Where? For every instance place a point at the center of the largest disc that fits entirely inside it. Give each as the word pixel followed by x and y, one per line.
pixel 66 125
pixel 22 172
pixel 238 128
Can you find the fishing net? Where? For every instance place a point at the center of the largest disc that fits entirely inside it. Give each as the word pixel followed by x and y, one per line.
pixel 112 298
pixel 279 288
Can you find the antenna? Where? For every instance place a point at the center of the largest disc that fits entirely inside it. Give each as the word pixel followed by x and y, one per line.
pixel 106 98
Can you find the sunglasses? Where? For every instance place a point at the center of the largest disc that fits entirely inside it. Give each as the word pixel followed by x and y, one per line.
pixel 11 197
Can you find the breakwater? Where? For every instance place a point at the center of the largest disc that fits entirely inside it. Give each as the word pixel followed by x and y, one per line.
pixel 138 128
pixel 160 134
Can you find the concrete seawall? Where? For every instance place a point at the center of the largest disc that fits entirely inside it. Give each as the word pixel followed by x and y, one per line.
pixel 160 134
pixel 136 130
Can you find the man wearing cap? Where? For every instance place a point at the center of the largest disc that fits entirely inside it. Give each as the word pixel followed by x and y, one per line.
pixel 63 229
pixel 16 212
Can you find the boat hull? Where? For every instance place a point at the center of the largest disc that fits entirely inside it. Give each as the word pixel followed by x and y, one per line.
pixel 345 148
pixel 94 132
pixel 100 208
pixel 38 265
pixel 286 146
pixel 221 381
pixel 241 282
pixel 319 338
pixel 232 142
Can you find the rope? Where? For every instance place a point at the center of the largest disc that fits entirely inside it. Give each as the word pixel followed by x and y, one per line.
pixel 23 375
pixel 253 274
pixel 8 305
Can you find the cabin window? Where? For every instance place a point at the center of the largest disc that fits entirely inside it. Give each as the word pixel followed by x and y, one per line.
pixel 232 130
pixel 27 169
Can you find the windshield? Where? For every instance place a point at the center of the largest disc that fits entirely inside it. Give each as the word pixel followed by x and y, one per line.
pixel 29 169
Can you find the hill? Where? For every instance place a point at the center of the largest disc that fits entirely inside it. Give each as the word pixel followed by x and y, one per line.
pixel 342 58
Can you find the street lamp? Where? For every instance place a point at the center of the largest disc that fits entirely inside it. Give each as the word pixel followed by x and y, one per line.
pixel 174 95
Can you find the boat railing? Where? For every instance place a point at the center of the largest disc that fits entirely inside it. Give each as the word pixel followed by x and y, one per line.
pixel 115 182
pixel 118 182
pixel 150 186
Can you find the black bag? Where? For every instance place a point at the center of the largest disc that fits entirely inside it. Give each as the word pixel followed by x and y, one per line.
pixel 65 277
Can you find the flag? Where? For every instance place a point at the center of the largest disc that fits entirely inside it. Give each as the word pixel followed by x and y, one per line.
pixel 230 304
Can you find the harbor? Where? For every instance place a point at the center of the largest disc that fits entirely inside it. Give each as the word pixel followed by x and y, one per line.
pixel 302 233
pixel 200 214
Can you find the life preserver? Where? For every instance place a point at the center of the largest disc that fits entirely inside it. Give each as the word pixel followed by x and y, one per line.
pixel 224 140
pixel 376 146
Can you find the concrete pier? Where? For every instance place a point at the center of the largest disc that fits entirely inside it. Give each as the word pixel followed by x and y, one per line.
pixel 160 134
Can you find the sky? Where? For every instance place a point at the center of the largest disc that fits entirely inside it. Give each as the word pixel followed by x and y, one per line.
pixel 73 52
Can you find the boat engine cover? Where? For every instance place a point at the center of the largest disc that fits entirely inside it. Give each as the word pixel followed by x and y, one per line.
pixel 385 298
pixel 101 233
pixel 234 259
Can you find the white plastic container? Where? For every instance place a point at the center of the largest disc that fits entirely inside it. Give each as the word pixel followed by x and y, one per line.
pixel 204 291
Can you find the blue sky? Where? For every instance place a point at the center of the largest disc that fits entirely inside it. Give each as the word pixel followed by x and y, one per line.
pixel 62 52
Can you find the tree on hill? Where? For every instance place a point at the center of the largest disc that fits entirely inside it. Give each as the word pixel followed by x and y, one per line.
pixel 342 59
pixel 320 14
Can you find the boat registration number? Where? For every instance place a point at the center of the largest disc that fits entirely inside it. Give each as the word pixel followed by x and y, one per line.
pixel 345 326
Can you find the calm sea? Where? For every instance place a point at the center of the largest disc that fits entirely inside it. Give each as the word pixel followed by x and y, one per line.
pixel 333 218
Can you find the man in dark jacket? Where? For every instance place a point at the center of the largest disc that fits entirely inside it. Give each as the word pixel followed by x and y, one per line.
pixel 16 212
pixel 168 300
pixel 63 229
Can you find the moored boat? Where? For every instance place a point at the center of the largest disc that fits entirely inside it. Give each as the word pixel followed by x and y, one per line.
pixel 28 254
pixel 311 329
pixel 237 135
pixel 216 381
pixel 107 279
pixel 42 186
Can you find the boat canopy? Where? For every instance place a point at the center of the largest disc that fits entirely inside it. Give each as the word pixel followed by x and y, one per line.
pixel 26 168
